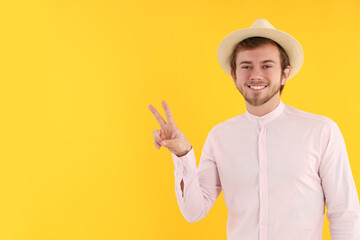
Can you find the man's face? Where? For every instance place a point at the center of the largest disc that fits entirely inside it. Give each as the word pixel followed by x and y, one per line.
pixel 258 74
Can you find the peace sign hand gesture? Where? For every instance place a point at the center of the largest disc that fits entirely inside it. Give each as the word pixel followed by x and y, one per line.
pixel 169 135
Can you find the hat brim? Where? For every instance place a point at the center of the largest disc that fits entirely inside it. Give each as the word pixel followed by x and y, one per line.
pixel 291 46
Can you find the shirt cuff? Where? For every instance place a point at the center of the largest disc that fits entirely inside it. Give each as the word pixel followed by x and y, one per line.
pixel 185 165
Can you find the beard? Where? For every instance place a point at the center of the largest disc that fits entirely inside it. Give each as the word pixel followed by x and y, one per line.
pixel 255 98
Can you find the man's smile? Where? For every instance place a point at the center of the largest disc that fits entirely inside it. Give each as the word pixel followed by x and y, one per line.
pixel 256 87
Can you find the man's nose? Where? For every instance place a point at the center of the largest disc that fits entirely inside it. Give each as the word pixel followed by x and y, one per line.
pixel 256 74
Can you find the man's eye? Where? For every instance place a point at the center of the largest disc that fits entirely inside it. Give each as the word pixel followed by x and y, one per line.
pixel 267 66
pixel 245 67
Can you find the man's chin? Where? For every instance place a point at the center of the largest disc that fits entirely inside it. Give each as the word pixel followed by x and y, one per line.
pixel 260 101
pixel 256 103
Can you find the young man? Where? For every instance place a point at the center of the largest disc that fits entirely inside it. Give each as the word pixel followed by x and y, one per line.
pixel 277 166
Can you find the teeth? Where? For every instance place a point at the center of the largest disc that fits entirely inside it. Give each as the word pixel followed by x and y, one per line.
pixel 257 87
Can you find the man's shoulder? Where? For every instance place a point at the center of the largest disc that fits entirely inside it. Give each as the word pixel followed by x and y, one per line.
pixel 230 124
pixel 295 114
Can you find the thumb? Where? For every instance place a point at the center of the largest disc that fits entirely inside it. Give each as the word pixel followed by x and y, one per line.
pixel 167 143
pixel 164 143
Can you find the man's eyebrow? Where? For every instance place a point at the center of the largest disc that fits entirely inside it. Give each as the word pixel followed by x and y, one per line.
pixel 265 61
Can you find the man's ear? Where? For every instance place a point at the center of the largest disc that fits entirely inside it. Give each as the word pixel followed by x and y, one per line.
pixel 286 75
pixel 233 76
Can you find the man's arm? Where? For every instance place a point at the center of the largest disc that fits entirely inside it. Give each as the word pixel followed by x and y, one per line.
pixel 339 187
pixel 196 189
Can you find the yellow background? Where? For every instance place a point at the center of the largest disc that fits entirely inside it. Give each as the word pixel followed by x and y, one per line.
pixel 77 158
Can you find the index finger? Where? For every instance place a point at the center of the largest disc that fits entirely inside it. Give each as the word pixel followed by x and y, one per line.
pixel 157 115
pixel 167 112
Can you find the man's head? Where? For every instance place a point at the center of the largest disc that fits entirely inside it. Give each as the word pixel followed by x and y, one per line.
pixel 290 52
pixel 259 67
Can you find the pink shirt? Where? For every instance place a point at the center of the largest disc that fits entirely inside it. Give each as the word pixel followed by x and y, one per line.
pixel 276 172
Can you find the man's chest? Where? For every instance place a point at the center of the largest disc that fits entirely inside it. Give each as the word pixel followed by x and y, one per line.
pixel 283 155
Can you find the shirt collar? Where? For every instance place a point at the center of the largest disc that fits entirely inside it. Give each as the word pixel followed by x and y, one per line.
pixel 267 117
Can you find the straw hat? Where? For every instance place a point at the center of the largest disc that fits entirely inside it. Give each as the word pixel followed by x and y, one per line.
pixel 261 28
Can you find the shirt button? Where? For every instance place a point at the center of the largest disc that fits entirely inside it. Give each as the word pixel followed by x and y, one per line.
pixel 264 195
pixel 263 222
pixel 263 169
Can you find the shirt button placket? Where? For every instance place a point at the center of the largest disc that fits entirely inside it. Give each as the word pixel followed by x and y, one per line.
pixel 263 183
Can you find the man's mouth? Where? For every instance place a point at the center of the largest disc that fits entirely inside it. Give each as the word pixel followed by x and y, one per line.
pixel 256 87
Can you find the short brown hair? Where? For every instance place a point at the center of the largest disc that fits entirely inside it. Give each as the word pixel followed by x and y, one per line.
pixel 254 42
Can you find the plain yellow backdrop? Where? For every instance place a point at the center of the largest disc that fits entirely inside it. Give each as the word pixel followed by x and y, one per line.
pixel 77 158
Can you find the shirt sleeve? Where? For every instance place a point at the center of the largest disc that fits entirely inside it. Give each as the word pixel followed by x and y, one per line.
pixel 339 187
pixel 201 185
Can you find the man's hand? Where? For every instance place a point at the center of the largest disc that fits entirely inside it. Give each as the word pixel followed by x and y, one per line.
pixel 169 135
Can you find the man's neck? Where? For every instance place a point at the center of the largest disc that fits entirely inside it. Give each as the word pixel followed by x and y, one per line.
pixel 264 108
